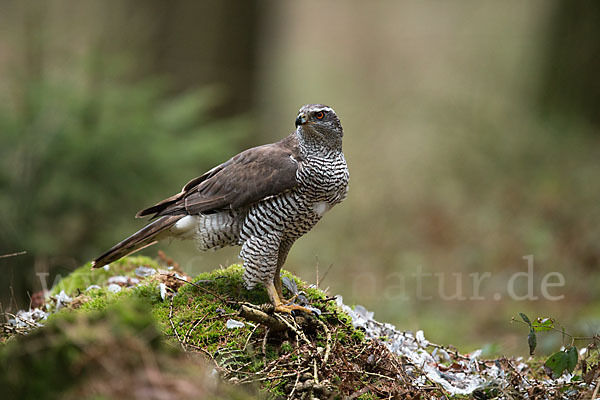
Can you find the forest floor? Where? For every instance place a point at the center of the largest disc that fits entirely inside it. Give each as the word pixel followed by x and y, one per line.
pixel 144 329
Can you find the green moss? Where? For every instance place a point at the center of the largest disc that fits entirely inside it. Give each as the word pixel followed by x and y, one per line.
pixel 358 335
pixel 275 389
pixel 83 277
pixel 285 348
pixel 53 358
pixel 149 292
pixel 212 335
pixel 367 396
pixel 193 314
pixel 101 298
pixel 229 283
pixel 94 354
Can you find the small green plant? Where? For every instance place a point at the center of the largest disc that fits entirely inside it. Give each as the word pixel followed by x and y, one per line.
pixel 563 360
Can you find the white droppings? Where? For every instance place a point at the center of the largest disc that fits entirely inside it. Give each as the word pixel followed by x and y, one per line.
pixel 412 347
pixel 118 280
pixel 420 337
pixel 114 288
pixel 62 299
pixel 233 324
pixel 163 291
pixel 476 354
pixel 180 277
pixel 144 271
pixel 28 319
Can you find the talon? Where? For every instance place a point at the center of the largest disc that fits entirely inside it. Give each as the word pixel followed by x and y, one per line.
pixel 279 305
pixel 288 308
pixel 291 300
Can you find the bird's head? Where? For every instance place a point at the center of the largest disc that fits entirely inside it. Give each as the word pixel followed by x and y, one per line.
pixel 319 122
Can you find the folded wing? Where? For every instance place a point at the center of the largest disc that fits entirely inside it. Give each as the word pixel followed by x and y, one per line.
pixel 247 178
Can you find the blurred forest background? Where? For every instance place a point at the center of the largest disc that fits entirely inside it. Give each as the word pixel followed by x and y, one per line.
pixel 472 137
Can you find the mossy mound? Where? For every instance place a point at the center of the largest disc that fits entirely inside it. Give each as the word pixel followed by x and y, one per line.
pixel 102 341
pixel 85 277
pixel 116 353
pixel 139 331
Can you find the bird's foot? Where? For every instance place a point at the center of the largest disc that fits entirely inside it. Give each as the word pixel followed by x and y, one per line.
pixel 291 300
pixel 282 306
pixel 288 308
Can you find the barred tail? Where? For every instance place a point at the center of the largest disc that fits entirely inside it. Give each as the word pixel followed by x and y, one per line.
pixel 143 238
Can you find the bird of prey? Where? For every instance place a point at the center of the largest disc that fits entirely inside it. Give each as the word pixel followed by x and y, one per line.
pixel 262 199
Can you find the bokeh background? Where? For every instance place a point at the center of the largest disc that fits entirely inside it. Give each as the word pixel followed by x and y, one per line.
pixel 472 133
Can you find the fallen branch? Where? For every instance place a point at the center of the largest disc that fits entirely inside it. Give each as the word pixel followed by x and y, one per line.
pixel 256 315
pixel 20 253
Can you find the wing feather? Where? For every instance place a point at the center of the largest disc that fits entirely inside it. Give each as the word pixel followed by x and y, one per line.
pixel 244 179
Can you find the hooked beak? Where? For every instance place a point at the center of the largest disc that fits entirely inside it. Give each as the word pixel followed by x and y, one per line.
pixel 301 119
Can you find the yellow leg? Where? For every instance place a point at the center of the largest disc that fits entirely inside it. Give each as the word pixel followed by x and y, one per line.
pixel 278 287
pixel 276 299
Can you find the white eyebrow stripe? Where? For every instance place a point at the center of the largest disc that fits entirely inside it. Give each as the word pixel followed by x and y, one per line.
pixel 329 109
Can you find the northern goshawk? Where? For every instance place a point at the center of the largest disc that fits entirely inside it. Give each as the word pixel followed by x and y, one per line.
pixel 262 199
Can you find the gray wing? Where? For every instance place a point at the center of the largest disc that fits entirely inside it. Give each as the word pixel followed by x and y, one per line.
pixel 246 178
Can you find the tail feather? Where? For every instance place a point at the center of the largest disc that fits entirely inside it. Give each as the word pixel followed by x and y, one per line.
pixel 143 238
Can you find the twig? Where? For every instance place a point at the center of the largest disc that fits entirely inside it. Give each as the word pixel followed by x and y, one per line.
pixel 573 338
pixel 317 271
pixel 20 253
pixel 291 396
pixel 249 336
pixel 173 325
pixel 512 367
pixel 264 345
pixel 358 393
pixel 195 347
pixel 369 373
pixel 596 389
pixel 299 333
pixel 33 324
pixel 455 353
pixel 203 289
pixel 268 378
pixel 326 272
pixel 12 298
pixel 239 369
pixel 396 367
pixel 328 343
pixel 365 347
pixel 187 335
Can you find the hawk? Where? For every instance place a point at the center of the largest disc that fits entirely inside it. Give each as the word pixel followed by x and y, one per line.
pixel 262 199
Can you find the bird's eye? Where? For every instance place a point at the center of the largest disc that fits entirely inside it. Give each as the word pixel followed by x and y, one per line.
pixel 319 115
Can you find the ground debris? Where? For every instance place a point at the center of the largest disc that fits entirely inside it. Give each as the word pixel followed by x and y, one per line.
pixel 341 351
